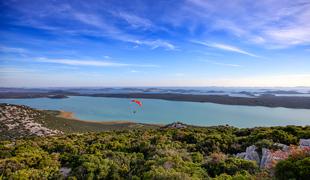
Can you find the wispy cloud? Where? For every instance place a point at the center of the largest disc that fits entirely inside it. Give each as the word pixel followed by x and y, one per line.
pixel 5 70
pixel 135 21
pixel 98 63
pixel 156 43
pixel 225 64
pixel 289 36
pixel 222 64
pixel 90 19
pixel 82 62
pixel 6 49
pixel 267 23
pixel 94 23
pixel 225 47
pixel 118 34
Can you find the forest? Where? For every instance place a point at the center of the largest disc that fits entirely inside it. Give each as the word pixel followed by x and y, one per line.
pixel 162 153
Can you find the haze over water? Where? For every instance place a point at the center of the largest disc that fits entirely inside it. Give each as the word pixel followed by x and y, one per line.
pixel 164 112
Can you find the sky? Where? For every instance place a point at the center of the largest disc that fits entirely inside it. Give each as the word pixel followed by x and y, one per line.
pixel 99 43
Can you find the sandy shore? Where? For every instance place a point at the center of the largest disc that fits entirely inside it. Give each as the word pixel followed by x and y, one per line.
pixel 70 115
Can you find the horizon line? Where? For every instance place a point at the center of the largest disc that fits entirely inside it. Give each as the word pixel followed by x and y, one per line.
pixel 29 87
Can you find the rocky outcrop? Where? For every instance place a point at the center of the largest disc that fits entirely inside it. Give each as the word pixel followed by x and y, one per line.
pixel 270 157
pixel 304 143
pixel 20 121
pixel 177 125
pixel 266 158
pixel 281 146
pixel 250 154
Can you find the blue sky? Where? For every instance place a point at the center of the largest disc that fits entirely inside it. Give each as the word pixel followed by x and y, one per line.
pixel 154 43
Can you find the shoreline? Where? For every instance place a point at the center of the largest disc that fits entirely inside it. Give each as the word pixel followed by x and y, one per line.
pixel 70 115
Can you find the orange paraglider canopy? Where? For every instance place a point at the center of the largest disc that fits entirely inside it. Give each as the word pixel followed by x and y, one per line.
pixel 137 102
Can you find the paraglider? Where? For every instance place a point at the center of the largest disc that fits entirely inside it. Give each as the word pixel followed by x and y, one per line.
pixel 139 103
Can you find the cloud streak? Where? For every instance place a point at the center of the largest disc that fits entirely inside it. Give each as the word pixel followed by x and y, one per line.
pixel 117 34
pixel 156 44
pixel 135 21
pixel 99 22
pixel 222 64
pixel 225 64
pixel 269 23
pixel 6 49
pixel 225 47
pixel 6 70
pixel 96 63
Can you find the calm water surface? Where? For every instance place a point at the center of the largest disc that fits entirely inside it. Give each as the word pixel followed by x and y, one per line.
pixel 163 112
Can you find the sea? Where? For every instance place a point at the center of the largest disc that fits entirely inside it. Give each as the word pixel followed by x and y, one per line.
pixel 164 112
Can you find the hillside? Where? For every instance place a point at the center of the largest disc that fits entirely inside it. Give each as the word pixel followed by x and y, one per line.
pixel 17 121
pixel 175 151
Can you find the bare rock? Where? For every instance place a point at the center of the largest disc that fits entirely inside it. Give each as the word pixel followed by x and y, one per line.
pixel 241 155
pixel 304 143
pixel 282 146
pixel 266 158
pixel 251 154
pixel 22 121
pixel 177 125
pixel 65 171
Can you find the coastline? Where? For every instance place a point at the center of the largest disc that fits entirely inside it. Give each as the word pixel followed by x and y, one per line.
pixel 70 115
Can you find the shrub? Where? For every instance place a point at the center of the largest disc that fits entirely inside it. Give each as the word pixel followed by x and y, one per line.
pixel 230 165
pixel 293 168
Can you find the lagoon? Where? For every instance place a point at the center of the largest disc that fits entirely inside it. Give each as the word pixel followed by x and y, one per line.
pixel 163 112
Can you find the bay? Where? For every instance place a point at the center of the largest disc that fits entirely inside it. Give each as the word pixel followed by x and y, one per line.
pixel 164 112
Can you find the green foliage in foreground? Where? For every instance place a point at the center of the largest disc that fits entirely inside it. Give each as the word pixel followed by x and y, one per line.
pixel 295 167
pixel 191 153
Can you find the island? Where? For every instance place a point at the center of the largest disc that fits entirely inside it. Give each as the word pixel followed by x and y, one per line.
pixel 263 100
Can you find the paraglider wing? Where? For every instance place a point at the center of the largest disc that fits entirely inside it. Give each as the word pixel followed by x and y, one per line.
pixel 137 102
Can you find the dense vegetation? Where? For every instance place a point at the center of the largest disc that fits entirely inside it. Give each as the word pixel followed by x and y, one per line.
pixel 295 167
pixel 167 153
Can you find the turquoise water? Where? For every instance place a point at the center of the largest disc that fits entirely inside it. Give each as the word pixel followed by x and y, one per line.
pixel 164 112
